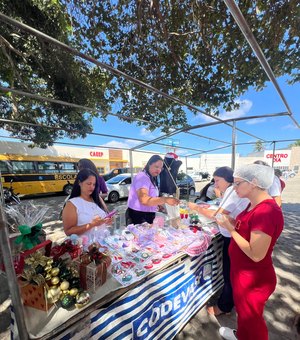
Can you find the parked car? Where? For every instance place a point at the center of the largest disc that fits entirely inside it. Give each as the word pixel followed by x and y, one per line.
pixel 186 184
pixel 200 175
pixel 288 174
pixel 118 187
pixel 118 171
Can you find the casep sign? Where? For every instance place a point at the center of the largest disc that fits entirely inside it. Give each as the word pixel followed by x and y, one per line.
pixel 94 153
pixel 280 157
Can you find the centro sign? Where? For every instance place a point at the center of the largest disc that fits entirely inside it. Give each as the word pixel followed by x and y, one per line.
pixel 96 153
pixel 277 156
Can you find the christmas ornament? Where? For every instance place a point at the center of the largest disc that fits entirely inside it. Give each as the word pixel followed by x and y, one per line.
pixel 54 271
pixel 73 291
pixel 55 280
pixel 82 299
pixel 67 301
pixel 64 285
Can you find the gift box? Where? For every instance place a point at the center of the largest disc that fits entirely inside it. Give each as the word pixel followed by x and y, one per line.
pixel 66 251
pixel 44 248
pixel 19 256
pixel 93 273
pixel 34 295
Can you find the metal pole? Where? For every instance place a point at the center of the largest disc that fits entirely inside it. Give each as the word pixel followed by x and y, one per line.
pixel 11 277
pixel 233 145
pixel 248 34
pixel 187 184
pixel 186 167
pixel 274 146
pixel 131 164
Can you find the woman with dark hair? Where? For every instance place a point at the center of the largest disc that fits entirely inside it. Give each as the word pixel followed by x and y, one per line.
pixel 84 211
pixel 85 163
pixel 207 193
pixel 143 197
pixel 230 205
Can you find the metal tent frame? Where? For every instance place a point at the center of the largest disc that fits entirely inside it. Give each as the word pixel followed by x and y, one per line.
pixel 242 23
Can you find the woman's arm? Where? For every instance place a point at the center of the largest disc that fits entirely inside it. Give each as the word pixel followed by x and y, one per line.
pixel 205 211
pixel 69 217
pixel 145 199
pixel 259 243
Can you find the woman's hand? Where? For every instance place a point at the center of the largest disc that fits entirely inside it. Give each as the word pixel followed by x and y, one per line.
pixel 162 209
pixel 193 206
pixel 108 221
pixel 198 207
pixel 225 221
pixel 171 200
pixel 98 221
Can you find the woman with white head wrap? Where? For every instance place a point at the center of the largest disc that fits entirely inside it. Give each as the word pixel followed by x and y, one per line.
pixel 230 205
pixel 253 237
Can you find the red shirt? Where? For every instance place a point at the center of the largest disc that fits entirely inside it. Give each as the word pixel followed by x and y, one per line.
pixel 266 217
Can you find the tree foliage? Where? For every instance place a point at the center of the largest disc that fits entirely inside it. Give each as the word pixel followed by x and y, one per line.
pixel 30 64
pixel 296 143
pixel 190 49
pixel 259 146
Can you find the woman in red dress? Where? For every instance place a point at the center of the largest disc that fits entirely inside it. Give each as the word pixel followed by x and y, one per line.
pixel 253 236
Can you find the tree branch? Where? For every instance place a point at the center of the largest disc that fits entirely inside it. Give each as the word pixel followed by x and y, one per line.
pixel 155 6
pixel 183 34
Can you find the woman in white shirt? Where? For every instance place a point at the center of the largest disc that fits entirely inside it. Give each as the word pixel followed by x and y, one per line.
pixel 83 211
pixel 230 205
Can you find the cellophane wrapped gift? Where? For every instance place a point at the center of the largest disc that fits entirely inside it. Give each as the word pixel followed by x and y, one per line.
pixel 93 267
pixel 31 237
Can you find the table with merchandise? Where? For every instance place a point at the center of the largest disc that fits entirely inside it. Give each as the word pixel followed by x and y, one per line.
pixel 139 282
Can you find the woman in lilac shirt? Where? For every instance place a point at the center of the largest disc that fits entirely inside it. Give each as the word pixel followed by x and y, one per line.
pixel 143 195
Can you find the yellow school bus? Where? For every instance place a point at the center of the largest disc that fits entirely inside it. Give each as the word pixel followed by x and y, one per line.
pixel 31 175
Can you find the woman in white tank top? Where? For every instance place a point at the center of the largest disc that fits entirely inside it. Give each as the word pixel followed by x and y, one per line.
pixel 83 213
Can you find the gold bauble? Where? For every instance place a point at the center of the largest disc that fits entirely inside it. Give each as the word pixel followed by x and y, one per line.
pixel 54 271
pixel 55 280
pixel 53 294
pixel 48 277
pixel 73 291
pixel 47 268
pixel 64 285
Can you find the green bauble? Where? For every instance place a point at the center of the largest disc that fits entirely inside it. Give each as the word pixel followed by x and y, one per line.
pixel 65 274
pixel 74 282
pixel 39 269
pixel 67 301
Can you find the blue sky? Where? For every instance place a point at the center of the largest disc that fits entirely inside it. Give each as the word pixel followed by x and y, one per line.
pixel 252 103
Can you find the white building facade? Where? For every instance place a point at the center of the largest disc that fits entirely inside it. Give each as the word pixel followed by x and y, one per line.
pixel 107 159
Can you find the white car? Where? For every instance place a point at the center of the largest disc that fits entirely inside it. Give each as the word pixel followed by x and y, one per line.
pixel 200 175
pixel 288 174
pixel 118 187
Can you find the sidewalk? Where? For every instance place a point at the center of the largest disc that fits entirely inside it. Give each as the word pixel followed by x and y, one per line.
pixel 283 309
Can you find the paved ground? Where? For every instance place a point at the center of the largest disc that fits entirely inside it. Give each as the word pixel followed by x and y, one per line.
pixel 283 309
